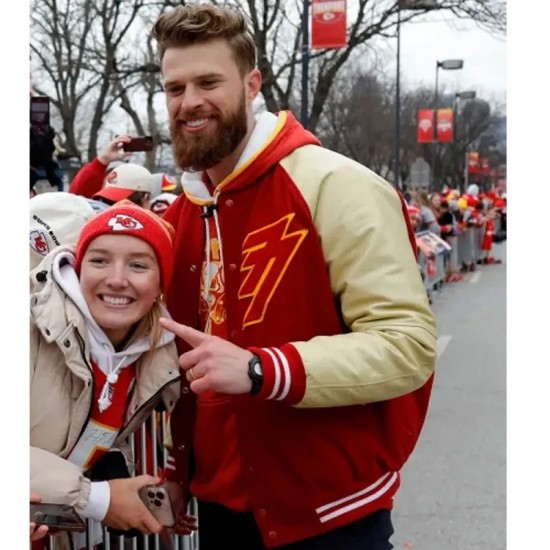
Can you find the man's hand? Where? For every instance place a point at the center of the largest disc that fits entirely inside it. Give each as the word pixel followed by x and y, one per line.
pixel 114 151
pixel 214 364
pixel 36 533
pixel 126 509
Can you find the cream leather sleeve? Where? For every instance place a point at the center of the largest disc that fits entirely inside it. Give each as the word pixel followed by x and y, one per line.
pixel 57 480
pixel 391 349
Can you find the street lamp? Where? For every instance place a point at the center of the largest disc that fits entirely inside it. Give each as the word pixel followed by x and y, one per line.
pixel 469 94
pixel 447 65
pixel 304 108
pixel 403 5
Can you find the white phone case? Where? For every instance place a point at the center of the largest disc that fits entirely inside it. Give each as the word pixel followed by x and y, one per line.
pixel 157 500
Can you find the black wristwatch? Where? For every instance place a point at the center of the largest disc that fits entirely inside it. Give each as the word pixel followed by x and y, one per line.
pixel 256 374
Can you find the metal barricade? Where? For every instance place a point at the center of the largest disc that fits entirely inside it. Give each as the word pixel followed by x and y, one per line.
pixel 152 432
pixel 467 250
pixel 479 233
pixel 432 263
pixel 454 264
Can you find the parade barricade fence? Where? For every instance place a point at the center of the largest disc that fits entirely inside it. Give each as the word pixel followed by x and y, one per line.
pixel 433 255
pixel 466 250
pixel 148 445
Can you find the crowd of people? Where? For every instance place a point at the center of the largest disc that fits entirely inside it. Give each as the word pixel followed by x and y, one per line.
pixel 449 213
pixel 274 308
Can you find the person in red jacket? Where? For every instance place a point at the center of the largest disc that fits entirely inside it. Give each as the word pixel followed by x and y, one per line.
pixel 97 180
pixel 307 344
pixel 488 236
pixel 91 177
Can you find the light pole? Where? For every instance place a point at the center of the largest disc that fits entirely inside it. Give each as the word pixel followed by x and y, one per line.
pixel 304 116
pixel 447 65
pixel 469 94
pixel 403 5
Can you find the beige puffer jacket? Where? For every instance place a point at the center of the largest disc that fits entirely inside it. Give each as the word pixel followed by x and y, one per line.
pixel 61 388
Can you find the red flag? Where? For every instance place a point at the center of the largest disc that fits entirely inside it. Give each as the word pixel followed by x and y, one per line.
pixel 473 162
pixel 425 126
pixel 445 125
pixel 328 24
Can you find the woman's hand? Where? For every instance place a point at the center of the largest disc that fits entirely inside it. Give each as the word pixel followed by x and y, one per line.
pixel 36 533
pixel 126 509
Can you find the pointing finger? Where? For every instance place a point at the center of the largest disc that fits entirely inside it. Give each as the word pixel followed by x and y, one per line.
pixel 190 335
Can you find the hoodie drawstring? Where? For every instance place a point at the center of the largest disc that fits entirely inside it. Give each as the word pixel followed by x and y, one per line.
pixel 211 211
pixel 106 396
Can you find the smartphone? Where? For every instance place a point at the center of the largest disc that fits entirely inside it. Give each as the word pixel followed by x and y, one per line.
pixel 157 500
pixel 144 143
pixel 59 517
pixel 40 110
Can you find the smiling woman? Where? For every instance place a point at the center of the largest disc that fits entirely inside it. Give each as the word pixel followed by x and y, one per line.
pixel 100 362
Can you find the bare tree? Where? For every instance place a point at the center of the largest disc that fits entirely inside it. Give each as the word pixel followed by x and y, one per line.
pixel 277 31
pixel 98 53
pixel 82 57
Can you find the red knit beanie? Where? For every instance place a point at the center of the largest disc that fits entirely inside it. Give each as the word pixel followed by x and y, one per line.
pixel 126 218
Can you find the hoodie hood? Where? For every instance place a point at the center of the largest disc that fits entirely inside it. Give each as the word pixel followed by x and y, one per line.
pixel 103 354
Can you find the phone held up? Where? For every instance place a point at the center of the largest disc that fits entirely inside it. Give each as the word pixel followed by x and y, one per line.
pixel 144 143
pixel 157 500
pixel 58 517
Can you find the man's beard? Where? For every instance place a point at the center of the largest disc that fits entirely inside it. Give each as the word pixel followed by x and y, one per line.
pixel 201 151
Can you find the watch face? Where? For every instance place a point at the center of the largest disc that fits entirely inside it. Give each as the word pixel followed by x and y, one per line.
pixel 257 368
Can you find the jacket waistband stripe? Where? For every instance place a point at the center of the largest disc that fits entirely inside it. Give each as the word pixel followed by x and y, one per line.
pixel 286 370
pixel 369 489
pixel 362 502
pixel 277 369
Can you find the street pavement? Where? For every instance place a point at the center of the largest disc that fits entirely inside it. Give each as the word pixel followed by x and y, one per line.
pixel 453 493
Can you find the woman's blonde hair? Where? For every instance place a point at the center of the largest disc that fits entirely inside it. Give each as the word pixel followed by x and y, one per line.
pixel 149 326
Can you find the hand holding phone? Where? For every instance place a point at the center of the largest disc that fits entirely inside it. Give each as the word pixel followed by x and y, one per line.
pixel 158 502
pixel 57 517
pixel 126 508
pixel 144 143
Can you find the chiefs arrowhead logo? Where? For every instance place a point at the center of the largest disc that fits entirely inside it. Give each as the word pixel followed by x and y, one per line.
pixel 124 223
pixel 38 242
pixel 425 124
pixel 111 178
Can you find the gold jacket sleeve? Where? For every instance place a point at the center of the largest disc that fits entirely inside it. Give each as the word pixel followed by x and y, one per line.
pixel 391 349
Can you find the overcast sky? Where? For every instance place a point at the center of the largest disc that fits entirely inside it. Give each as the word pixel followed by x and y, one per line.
pixel 438 37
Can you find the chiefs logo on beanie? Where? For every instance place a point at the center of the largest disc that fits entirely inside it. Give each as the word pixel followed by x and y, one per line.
pixel 126 218
pixel 124 223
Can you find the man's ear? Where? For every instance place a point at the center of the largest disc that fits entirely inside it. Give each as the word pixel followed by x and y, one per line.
pixel 253 84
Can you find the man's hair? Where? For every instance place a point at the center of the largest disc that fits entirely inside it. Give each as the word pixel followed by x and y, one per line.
pixel 200 23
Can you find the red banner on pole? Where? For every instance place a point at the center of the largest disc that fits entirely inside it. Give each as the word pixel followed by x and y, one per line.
pixel 425 127
pixel 328 24
pixel 444 125
pixel 473 162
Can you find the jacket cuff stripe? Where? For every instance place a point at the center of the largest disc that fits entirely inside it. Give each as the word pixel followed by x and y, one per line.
pixel 284 374
pixel 283 362
pixel 276 372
